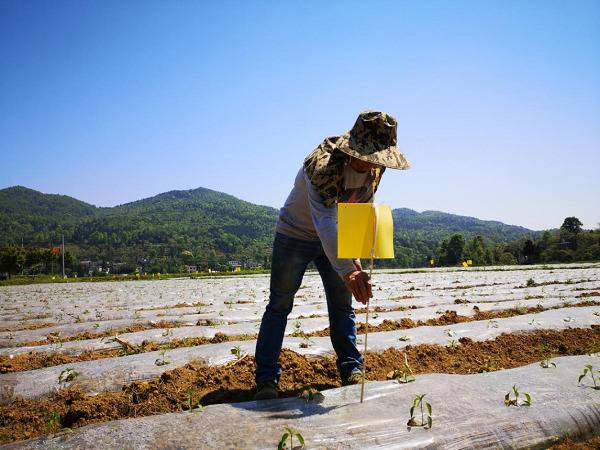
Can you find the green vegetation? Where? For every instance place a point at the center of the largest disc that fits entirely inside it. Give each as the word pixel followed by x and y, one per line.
pixel 290 434
pixel 237 351
pixel 515 402
pixel 189 403
pixel 201 229
pixel 67 375
pixel 412 422
pixel 404 375
pixel 161 361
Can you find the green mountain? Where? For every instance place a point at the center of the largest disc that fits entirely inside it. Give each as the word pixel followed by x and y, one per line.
pixel 201 227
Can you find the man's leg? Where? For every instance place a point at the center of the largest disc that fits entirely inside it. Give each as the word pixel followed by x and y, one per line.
pixel 342 324
pixel 290 259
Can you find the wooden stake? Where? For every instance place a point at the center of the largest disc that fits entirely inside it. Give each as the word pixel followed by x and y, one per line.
pixel 364 365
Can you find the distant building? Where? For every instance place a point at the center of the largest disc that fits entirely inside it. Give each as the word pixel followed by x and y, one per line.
pixel 191 269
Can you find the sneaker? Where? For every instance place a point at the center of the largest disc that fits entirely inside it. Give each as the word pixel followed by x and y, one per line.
pixel 354 378
pixel 266 391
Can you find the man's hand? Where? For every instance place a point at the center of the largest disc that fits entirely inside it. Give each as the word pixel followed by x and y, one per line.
pixel 359 283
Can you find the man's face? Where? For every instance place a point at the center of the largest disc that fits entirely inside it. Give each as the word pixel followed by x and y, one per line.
pixel 361 166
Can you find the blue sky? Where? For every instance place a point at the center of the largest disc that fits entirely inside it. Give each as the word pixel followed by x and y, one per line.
pixel 498 103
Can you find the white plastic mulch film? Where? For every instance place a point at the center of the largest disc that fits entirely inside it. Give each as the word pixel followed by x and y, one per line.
pixel 468 411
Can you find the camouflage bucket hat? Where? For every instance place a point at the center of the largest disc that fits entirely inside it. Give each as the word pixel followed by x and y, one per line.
pixel 373 139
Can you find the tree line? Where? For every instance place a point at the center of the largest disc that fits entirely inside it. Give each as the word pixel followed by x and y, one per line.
pixel 567 244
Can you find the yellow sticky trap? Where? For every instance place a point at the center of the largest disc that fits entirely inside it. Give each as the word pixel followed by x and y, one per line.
pixel 356 231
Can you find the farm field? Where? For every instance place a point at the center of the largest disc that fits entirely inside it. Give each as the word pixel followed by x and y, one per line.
pixel 169 363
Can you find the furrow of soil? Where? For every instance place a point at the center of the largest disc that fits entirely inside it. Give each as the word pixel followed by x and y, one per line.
pixel 568 444
pixel 30 326
pixel 195 384
pixel 451 317
pixel 37 360
pixel 52 338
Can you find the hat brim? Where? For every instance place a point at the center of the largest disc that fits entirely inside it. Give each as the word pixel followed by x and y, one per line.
pixel 390 157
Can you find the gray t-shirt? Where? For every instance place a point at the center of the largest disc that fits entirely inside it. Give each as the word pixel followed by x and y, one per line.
pixel 303 216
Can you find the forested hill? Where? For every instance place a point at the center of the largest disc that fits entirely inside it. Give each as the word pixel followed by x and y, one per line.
pixel 198 226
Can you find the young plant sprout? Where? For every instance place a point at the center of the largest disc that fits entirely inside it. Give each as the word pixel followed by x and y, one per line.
pixel 168 332
pixel 161 361
pixel 306 342
pixel 67 375
pixel 290 434
pixel 515 402
pixel 55 422
pixel 404 338
pixel 310 394
pixel 546 363
pixel 488 366
pixel 588 368
pixel 492 324
pixel 404 375
pixel 189 403
pixel 412 422
pixel 237 351
pixel 452 343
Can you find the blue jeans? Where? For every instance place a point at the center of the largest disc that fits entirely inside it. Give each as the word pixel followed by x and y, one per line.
pixel 290 258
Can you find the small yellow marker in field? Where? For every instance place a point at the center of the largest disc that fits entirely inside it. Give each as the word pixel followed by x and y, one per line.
pixel 365 230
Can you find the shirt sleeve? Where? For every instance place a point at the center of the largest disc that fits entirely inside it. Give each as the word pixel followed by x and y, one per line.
pixel 325 222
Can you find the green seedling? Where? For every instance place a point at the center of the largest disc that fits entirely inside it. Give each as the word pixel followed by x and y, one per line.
pixel 452 343
pixel 237 351
pixel 546 363
pixel 161 361
pixel 588 368
pixel 404 375
pixel 67 375
pixel 310 394
pixel 189 403
pixel 298 332
pixel 530 282
pixel 306 342
pixel 55 422
pixel 515 402
pixel 290 434
pixel 488 366
pixel 404 338
pixel 412 422
pixel 168 332
pixel 492 324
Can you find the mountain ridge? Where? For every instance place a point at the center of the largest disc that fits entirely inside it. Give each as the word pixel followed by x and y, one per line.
pixel 201 221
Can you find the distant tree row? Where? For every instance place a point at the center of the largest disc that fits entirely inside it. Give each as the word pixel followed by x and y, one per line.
pixel 569 243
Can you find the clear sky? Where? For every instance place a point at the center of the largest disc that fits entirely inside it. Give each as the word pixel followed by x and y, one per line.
pixel 498 103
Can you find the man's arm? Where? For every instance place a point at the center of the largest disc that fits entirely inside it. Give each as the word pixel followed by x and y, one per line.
pixel 325 222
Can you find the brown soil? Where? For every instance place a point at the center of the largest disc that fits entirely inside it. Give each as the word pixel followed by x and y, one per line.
pixel 589 294
pixel 22 419
pixel 466 286
pixel 178 305
pixel 451 317
pixel 31 326
pixel 548 283
pixel 568 444
pixel 54 337
pixel 37 360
